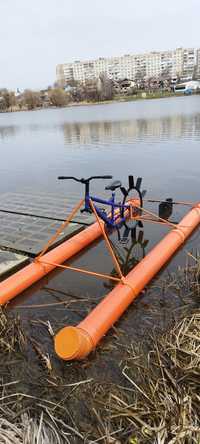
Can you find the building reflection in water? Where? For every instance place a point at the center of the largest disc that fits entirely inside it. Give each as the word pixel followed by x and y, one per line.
pixel 8 131
pixel 129 131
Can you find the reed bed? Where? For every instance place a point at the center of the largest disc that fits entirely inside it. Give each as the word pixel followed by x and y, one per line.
pixel 156 399
pixel 161 403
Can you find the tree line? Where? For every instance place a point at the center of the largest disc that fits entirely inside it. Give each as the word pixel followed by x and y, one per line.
pixel 102 89
pixel 56 96
pixel 29 99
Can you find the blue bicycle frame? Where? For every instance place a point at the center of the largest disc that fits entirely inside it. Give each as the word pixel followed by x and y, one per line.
pixel 112 219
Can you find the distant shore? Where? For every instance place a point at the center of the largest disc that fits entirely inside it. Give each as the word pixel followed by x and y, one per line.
pixel 133 98
pixel 143 95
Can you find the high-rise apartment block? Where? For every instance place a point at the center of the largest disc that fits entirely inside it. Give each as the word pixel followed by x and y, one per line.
pixel 198 63
pixel 179 62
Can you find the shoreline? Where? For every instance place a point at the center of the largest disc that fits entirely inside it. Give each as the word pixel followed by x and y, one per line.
pixel 125 99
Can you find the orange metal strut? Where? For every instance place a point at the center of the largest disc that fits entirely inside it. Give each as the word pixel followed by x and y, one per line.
pixel 77 342
pixel 45 263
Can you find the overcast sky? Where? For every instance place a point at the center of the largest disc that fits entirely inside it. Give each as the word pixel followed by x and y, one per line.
pixel 35 35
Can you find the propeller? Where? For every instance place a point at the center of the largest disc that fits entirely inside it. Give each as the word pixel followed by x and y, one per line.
pixel 126 233
pixel 124 191
pixel 133 190
pixel 133 233
pixel 140 236
pixel 143 193
pixel 145 243
pixel 138 183
pixel 131 182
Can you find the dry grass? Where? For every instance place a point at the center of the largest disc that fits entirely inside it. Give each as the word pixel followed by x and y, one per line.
pixel 156 401
pixel 29 431
pixel 161 403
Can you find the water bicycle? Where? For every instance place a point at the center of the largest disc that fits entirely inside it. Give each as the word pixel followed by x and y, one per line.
pixel 76 342
pixel 120 213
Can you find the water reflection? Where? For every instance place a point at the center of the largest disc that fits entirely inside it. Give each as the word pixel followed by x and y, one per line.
pixel 120 131
pixel 103 132
pixel 145 138
pixel 8 131
pixel 128 254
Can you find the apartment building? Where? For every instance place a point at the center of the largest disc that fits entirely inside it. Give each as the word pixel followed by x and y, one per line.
pixel 189 62
pixel 64 73
pixel 198 63
pixel 178 62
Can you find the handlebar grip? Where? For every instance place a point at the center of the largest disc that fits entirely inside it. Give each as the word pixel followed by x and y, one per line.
pixel 65 177
pixel 100 177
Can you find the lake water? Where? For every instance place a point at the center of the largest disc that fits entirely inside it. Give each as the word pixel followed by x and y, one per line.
pixel 156 139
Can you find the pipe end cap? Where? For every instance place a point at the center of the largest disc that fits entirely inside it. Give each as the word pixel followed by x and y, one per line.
pixel 72 343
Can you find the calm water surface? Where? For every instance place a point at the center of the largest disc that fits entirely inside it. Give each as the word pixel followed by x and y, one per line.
pixel 156 139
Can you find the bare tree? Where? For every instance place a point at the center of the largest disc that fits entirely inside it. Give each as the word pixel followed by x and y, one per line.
pixel 8 99
pixel 58 97
pixel 139 78
pixel 2 103
pixel 106 90
pixel 89 91
pixel 31 99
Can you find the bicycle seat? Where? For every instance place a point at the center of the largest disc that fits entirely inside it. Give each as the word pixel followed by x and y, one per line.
pixel 114 185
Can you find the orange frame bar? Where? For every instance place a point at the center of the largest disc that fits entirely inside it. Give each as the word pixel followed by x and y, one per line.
pixel 45 263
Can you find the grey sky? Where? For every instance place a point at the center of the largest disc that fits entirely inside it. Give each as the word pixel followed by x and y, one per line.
pixel 36 35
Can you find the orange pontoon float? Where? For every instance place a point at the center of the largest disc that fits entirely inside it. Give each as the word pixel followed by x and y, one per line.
pixel 77 342
pixel 48 261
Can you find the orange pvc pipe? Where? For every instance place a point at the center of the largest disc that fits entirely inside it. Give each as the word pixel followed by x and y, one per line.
pixel 30 274
pixel 20 281
pixel 77 342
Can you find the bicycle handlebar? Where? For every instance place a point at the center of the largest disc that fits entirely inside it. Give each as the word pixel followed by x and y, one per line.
pixel 68 177
pixel 84 180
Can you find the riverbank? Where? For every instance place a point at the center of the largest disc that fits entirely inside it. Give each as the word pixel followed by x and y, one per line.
pixel 117 99
pixel 153 395
pixel 124 99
